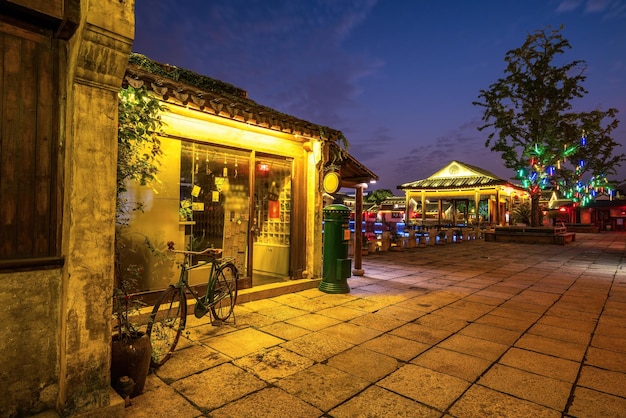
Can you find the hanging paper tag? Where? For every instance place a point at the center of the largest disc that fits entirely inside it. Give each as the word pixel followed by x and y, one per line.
pixel 195 192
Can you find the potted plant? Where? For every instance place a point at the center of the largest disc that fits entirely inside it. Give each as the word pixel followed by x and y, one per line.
pixel 396 241
pixel 130 348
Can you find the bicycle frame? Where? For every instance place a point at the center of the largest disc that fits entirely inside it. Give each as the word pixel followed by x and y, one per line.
pixel 183 281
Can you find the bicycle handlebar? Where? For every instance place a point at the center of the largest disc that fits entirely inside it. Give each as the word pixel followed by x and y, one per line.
pixel 211 251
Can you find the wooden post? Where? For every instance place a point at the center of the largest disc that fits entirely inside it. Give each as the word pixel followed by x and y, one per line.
pixel 358 233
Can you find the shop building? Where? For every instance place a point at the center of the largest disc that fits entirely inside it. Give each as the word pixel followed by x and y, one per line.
pixel 235 175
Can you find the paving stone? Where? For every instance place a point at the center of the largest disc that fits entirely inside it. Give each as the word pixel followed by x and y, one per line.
pixel 474 346
pixel 453 363
pixel 366 304
pixel 605 359
pixel 274 364
pixel 310 305
pixel 543 390
pixel 160 401
pixel 552 347
pixel 289 299
pixel 394 346
pixel 218 386
pixel 378 402
pixel 267 403
pixel 179 366
pixel 424 385
pixel 316 346
pixel 202 332
pixel 242 342
pixel 341 313
pixel 398 312
pixel 435 320
pixel 613 327
pixel 261 304
pixel 364 363
pixel 542 364
pixel 377 321
pixel 587 402
pixel 568 323
pixel 336 299
pixel 482 402
pixel 254 319
pixel 322 386
pixel 558 333
pixel 313 322
pixel 491 333
pixel 606 381
pixel 421 333
pixel 608 342
pixel 285 331
pixel 354 334
pixel 282 313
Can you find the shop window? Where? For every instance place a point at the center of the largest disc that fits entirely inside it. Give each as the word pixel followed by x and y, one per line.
pixel 215 199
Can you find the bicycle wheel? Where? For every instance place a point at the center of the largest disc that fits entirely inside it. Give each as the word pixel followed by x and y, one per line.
pixel 224 291
pixel 166 323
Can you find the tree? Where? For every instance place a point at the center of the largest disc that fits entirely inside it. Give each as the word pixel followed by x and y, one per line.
pixel 379 196
pixel 533 127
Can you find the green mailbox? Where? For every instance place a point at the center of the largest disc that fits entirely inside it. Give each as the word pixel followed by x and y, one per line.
pixel 337 266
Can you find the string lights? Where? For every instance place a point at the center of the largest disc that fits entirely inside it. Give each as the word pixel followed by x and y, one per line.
pixel 546 169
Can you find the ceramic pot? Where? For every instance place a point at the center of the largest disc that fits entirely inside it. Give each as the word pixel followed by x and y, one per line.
pixel 130 358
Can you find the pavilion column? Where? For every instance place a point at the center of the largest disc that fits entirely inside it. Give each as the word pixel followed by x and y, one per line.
pixel 358 231
pixel 497 207
pixel 423 206
pixel 476 204
pixel 439 211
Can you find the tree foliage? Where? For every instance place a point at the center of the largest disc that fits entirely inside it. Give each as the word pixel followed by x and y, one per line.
pixel 379 196
pixel 531 123
pixel 138 146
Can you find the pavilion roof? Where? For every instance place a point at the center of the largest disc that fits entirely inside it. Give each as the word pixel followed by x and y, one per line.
pixel 458 175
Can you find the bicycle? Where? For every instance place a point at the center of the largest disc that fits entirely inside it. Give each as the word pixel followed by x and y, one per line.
pixel 169 315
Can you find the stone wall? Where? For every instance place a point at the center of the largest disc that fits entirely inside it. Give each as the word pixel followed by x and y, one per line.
pixel 55 350
pixel 29 343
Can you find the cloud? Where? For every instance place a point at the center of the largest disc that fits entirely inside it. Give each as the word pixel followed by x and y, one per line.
pixel 568 5
pixel 609 9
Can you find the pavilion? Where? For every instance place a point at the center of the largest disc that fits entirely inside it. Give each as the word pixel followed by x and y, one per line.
pixel 461 194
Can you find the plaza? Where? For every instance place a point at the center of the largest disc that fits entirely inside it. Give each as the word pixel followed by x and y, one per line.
pixel 473 329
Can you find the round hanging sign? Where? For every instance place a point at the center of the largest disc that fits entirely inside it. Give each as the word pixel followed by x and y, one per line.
pixel 331 182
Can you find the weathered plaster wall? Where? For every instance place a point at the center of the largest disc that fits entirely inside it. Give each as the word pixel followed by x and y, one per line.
pixel 29 320
pixel 98 57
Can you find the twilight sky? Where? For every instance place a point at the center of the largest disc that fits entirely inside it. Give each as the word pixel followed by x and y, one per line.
pixel 397 77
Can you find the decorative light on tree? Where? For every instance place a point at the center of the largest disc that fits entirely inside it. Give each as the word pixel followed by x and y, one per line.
pixel 563 171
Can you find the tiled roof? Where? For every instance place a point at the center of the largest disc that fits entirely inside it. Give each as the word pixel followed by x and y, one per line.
pixel 453 182
pixel 457 175
pixel 212 96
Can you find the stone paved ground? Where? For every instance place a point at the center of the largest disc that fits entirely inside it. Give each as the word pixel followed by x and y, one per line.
pixel 475 329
